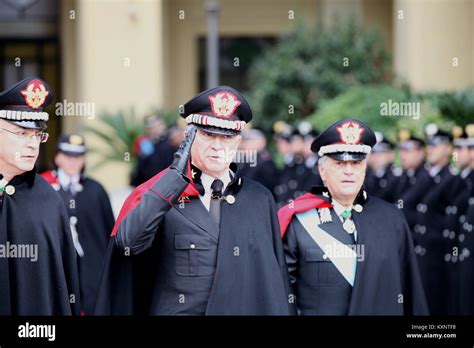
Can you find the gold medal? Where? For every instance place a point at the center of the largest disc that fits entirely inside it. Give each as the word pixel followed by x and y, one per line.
pixel 10 190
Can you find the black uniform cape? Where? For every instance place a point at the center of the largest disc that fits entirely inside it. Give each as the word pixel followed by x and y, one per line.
pixel 390 267
pixel 35 215
pixel 257 287
pixel 95 221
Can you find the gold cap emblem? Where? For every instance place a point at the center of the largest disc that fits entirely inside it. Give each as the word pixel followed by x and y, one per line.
pixel 224 104
pixel 35 94
pixel 350 132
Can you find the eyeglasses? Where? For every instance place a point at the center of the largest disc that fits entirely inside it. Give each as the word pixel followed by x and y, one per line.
pixel 24 135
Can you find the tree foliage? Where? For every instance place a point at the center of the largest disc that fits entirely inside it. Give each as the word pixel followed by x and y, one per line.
pixel 310 65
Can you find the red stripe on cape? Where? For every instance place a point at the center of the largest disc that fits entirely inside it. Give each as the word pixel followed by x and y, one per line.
pixel 301 204
pixel 135 197
pixel 49 177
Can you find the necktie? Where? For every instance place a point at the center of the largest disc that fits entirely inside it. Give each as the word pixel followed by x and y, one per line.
pixel 215 206
pixel 71 188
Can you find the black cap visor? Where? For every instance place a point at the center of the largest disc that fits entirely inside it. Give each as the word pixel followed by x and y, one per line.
pixel 436 140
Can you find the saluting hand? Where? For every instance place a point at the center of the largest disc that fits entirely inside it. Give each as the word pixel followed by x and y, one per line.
pixel 181 156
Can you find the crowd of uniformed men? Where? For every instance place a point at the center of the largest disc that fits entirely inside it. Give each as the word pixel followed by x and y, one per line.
pixel 431 182
pixel 199 235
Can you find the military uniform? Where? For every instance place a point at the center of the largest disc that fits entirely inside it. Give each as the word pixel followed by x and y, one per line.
pixel 465 237
pixel 300 173
pixel 264 172
pixel 414 183
pixel 383 183
pixel 464 273
pixel 33 217
pixel 153 156
pixel 435 231
pixel 292 179
pixel 413 186
pixel 90 216
pixel 361 264
pixel 199 262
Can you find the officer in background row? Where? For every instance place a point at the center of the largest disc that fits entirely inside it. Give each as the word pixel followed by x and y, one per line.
pixel 154 151
pixel 300 172
pixel 435 229
pixel 415 181
pixel 261 167
pixel 382 176
pixel 465 305
pixel 90 213
pixel 310 158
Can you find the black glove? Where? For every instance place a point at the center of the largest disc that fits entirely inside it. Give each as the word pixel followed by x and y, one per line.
pixel 181 156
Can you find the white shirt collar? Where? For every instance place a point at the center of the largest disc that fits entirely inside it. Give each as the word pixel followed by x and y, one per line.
pixel 338 207
pixel 65 179
pixel 380 172
pixel 3 182
pixel 435 170
pixel 465 172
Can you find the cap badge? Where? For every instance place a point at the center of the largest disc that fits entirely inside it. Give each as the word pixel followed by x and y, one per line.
pixel 224 104
pixel 350 132
pixel 35 94
pixel 404 135
pixel 470 130
pixel 457 131
pixel 76 139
